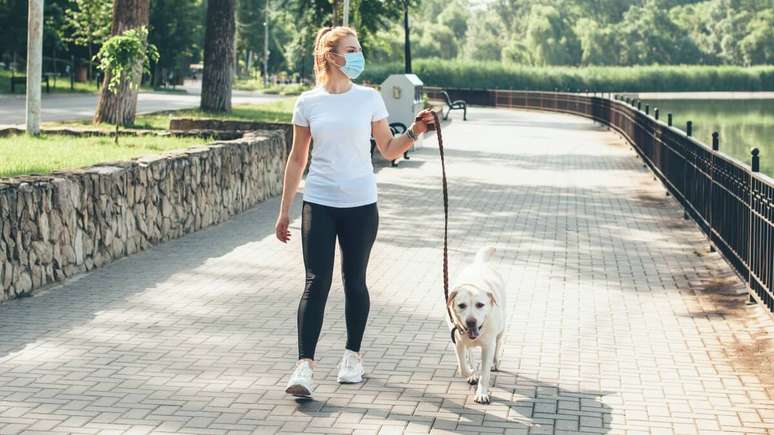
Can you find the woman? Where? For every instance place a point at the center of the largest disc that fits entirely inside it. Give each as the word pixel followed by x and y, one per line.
pixel 339 197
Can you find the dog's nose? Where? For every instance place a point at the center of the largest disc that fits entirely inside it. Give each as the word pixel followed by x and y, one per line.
pixel 470 323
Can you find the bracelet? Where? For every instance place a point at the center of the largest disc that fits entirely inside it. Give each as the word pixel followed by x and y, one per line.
pixel 410 133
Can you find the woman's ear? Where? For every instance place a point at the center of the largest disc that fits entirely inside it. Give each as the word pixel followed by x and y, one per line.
pixel 331 57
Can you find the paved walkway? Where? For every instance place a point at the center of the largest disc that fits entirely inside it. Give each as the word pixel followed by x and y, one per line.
pixel 622 321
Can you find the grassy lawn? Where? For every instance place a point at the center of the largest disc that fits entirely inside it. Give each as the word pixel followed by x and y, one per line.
pixel 23 154
pixel 276 111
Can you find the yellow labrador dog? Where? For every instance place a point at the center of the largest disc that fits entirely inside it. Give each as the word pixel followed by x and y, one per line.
pixel 478 308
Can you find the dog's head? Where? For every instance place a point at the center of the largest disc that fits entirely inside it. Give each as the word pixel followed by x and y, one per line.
pixel 471 305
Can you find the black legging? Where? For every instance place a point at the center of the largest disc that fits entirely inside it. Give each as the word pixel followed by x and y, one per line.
pixel 356 229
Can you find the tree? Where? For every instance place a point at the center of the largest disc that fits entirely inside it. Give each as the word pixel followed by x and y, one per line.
pixel 13 21
pixel 648 36
pixel 482 42
pixel 176 29
pixel 120 106
pixel 119 57
pixel 516 52
pixel 456 16
pixel 550 37
pixel 758 46
pixel 599 44
pixel 218 56
pixel 88 22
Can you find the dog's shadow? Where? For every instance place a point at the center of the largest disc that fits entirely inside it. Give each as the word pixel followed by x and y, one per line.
pixel 533 405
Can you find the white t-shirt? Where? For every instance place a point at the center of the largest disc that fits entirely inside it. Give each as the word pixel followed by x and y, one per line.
pixel 340 173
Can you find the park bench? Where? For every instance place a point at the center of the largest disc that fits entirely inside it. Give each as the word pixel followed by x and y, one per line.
pixel 22 80
pixel 396 128
pixel 455 105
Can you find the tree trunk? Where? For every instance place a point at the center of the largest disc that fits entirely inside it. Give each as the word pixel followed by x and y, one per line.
pixel 218 56
pixel 121 107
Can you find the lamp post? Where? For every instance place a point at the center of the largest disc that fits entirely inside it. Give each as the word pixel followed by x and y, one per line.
pixel 407 43
pixel 266 45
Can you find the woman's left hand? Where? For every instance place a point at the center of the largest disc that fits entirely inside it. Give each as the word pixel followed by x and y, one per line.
pixel 422 120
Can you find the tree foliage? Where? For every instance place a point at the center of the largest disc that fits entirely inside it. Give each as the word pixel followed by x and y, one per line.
pixel 121 54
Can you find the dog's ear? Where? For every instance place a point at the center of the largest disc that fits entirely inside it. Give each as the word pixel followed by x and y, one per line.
pixel 452 295
pixel 492 298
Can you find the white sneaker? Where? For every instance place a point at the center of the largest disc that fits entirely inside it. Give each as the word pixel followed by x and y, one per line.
pixel 300 382
pixel 350 368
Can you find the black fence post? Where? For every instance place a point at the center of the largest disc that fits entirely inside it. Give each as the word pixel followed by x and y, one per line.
pixel 756 167
pixel 689 128
pixel 647 109
pixel 639 105
pixel 72 73
pixel 669 119
pixel 715 149
pixel 655 112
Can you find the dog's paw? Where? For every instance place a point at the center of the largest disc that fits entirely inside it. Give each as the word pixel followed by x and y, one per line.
pixel 473 379
pixel 482 398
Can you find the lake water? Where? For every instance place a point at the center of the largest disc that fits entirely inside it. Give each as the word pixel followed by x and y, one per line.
pixel 743 124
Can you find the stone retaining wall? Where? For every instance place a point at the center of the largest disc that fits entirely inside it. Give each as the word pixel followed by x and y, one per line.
pixel 195 126
pixel 57 225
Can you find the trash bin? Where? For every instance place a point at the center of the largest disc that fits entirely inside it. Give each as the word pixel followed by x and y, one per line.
pixel 402 94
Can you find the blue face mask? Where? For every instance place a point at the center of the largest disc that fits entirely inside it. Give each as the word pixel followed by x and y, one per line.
pixel 355 64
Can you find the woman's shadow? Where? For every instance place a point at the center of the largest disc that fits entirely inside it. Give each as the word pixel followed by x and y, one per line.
pixel 535 405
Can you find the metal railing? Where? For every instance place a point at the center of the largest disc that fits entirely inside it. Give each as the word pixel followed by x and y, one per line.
pixel 733 203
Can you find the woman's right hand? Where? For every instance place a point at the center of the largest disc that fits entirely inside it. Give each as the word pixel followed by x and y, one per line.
pixel 281 228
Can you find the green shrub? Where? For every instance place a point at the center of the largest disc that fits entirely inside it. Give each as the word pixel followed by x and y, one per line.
pixel 496 75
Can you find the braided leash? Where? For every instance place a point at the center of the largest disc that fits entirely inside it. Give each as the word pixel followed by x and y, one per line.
pixel 437 127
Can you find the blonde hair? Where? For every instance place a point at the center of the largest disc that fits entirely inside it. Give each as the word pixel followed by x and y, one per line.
pixel 326 41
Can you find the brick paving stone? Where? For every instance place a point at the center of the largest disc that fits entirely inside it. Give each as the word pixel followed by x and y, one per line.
pixel 622 321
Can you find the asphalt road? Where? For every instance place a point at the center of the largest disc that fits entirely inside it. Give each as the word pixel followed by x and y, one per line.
pixel 67 107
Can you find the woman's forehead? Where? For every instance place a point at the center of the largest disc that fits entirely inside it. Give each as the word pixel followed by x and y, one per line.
pixel 349 41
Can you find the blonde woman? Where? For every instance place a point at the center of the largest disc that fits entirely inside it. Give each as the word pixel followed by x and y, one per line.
pixel 339 199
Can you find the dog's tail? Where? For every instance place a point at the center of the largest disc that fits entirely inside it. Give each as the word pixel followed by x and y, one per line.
pixel 484 254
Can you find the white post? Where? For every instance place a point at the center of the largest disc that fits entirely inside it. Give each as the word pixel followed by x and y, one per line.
pixel 34 65
pixel 346 12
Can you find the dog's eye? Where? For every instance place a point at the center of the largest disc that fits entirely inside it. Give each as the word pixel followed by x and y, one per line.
pixel 479 305
pixel 462 306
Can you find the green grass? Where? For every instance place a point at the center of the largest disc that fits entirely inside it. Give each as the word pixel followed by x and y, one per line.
pixel 496 75
pixel 24 154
